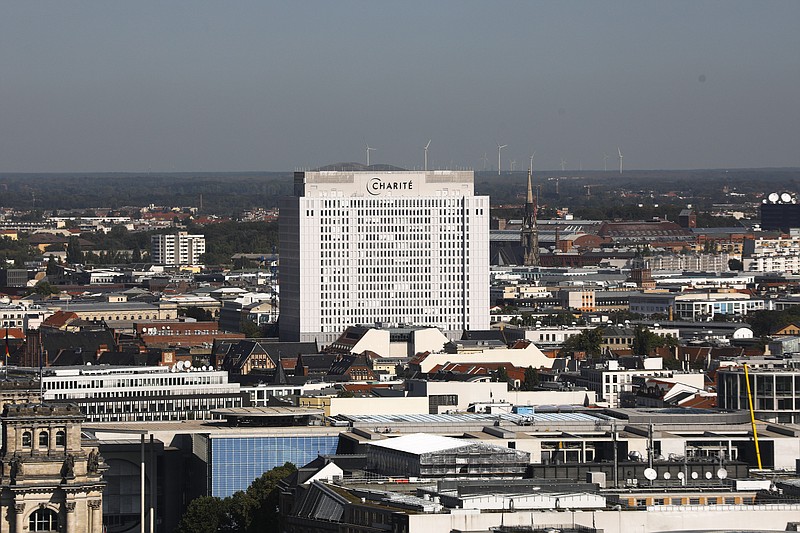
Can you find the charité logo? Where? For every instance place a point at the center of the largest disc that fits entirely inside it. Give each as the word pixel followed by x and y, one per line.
pixel 376 186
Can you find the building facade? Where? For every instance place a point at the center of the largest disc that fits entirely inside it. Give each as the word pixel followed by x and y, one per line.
pixel 140 394
pixel 699 306
pixel 390 247
pixel 177 248
pixel 52 482
pixel 775 392
pixel 772 255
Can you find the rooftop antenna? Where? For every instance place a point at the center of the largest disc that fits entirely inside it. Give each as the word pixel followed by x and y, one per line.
pixel 485 161
pixel 620 159
pixel 499 147
pixel 426 153
pixel 605 162
pixel 563 164
pixel 368 151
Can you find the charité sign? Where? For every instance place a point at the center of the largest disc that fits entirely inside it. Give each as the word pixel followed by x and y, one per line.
pixel 377 185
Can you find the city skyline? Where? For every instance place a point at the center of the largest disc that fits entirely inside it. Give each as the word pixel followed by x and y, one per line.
pixel 93 87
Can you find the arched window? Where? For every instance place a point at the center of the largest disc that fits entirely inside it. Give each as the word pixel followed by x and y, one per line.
pixel 43 520
pixel 44 439
pixel 61 438
pixel 26 439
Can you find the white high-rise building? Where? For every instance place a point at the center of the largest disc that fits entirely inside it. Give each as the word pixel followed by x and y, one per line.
pixel 360 246
pixel 177 249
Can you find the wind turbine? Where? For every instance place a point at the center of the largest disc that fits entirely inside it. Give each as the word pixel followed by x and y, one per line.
pixel 499 147
pixel 368 151
pixel 485 161
pixel 620 159
pixel 605 162
pixel 513 164
pixel 426 153
pixel 563 164
pixel 532 156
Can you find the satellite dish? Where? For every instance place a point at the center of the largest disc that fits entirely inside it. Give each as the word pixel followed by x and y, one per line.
pixel 650 473
pixel 695 475
pixel 681 475
pixel 667 475
pixel 709 475
pixel 773 197
pixel 205 368
pixel 180 365
pixel 722 473
pixel 786 197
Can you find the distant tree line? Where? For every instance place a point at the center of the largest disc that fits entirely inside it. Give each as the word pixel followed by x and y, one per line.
pixel 223 194
pixel 229 193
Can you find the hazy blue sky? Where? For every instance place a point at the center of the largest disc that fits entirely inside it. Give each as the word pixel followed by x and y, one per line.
pixel 258 85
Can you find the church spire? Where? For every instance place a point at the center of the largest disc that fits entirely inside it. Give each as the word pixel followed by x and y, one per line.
pixel 530 190
pixel 530 231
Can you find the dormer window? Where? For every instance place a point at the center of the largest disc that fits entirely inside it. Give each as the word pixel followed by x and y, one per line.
pixel 26 439
pixel 44 439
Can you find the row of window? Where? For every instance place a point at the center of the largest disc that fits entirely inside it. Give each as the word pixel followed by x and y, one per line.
pixel 399 202
pixel 43 438
pixel 161 381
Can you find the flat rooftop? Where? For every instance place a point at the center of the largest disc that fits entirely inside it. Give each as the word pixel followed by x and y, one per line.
pixel 267 412
pixel 460 418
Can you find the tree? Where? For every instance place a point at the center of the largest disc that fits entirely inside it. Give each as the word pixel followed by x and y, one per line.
pixel 264 493
pixel 198 313
pixel 501 375
pixel 531 380
pixel 250 329
pixel 43 288
pixel 766 322
pixel 645 341
pixel 203 515
pixel 735 264
pixel 74 251
pixel 587 341
pixel 251 511
pixel 52 267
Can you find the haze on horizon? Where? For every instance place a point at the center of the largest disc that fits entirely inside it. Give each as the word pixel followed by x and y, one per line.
pixel 92 86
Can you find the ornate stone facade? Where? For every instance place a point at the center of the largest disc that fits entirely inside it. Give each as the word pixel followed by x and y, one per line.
pixel 49 481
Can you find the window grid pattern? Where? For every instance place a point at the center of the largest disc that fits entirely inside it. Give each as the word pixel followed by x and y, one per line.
pixel 236 462
pixel 393 260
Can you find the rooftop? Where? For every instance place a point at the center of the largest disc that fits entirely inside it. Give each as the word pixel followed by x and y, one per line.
pixel 419 443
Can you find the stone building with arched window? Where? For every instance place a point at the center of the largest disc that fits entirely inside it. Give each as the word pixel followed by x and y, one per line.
pixel 49 480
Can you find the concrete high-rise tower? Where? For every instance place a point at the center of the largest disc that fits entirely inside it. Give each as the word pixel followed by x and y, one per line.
pixel 530 232
pixel 364 246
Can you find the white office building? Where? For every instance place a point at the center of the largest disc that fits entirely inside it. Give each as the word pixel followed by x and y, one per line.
pixel 177 248
pixel 396 247
pixel 140 394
